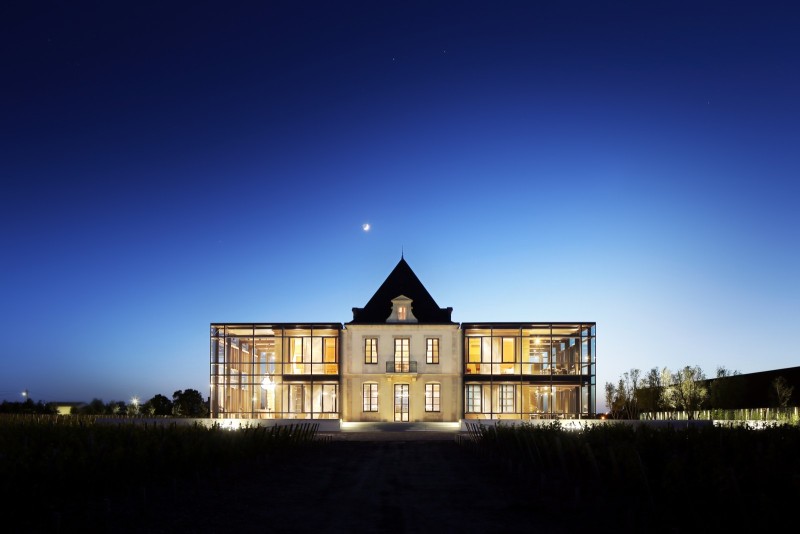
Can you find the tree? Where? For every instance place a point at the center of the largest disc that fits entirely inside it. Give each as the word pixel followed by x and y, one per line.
pixel 632 384
pixel 651 393
pixel 687 391
pixel 28 406
pixel 782 391
pixel 610 398
pixel 95 407
pixel 622 400
pixel 626 394
pixel 133 409
pixel 116 408
pixel 189 403
pixel 159 404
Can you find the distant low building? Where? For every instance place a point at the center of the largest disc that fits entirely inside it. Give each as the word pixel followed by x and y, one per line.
pixel 67 408
pixel 402 359
pixel 753 390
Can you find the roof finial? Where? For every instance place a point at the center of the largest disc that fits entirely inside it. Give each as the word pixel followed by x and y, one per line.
pixel 401 252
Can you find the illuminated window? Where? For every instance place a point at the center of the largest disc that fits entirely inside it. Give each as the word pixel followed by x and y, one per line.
pixel 370 397
pixel 401 355
pixel 401 311
pixel 507 398
pixel 432 395
pixel 371 350
pixel 432 350
pixel 330 350
pixel 473 398
pixel 329 356
pixel 327 395
pixel 508 350
pixel 474 349
pixel 299 354
pixel 296 398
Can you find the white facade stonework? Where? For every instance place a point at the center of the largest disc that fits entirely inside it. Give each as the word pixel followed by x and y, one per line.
pixel 355 372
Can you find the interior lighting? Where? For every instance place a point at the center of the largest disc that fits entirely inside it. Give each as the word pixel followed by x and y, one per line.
pixel 267 384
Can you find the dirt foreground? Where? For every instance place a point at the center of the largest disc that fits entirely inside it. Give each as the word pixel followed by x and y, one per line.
pixel 385 482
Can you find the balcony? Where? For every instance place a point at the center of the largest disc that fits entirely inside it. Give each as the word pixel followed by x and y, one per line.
pixel 401 367
pixel 514 369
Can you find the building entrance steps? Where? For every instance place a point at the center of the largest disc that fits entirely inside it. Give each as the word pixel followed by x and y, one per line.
pixel 401 427
pixel 395 432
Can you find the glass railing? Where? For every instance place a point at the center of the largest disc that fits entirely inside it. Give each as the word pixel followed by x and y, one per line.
pixel 525 368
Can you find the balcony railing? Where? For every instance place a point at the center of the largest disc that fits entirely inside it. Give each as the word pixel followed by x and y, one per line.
pixel 525 368
pixel 401 367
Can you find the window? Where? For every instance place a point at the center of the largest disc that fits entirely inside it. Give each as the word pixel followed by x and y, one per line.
pixel 330 350
pixel 329 356
pixel 299 355
pixel 401 355
pixel 401 311
pixel 432 350
pixel 474 349
pixel 473 355
pixel 508 350
pixel 473 398
pixel 507 398
pixel 371 350
pixel 325 396
pixel 296 398
pixel 370 397
pixel 432 395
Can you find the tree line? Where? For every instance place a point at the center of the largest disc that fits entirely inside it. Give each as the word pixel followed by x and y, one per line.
pixel 184 403
pixel 686 390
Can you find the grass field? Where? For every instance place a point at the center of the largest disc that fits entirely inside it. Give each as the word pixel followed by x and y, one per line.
pixel 56 472
pixel 59 473
pixel 708 476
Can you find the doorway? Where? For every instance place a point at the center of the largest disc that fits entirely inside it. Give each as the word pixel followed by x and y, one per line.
pixel 401 403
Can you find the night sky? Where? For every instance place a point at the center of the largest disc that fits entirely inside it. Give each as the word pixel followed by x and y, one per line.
pixel 166 165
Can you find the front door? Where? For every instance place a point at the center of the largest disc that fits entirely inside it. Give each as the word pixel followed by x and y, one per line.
pixel 401 403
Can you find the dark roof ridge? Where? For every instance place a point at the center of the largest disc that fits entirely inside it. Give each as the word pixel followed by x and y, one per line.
pixel 402 281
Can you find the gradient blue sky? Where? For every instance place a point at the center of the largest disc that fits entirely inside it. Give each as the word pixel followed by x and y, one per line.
pixel 166 165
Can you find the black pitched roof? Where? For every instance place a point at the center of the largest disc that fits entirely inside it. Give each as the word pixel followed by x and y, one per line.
pixel 401 281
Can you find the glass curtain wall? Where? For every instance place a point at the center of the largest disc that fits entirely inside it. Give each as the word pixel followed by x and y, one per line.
pixel 275 371
pixel 529 371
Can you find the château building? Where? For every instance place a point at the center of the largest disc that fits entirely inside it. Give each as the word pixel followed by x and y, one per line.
pixel 402 358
